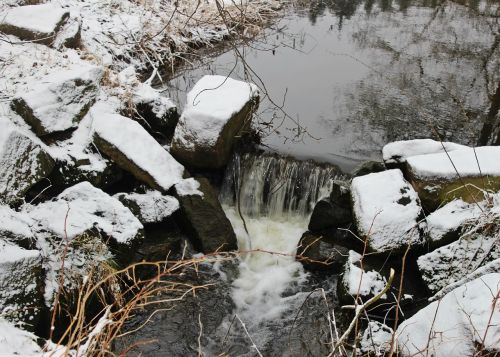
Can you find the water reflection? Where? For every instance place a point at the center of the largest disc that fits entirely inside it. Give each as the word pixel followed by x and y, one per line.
pixel 352 75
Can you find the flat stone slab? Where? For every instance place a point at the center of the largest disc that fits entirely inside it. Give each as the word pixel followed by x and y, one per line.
pixel 37 23
pixel 386 210
pixel 130 146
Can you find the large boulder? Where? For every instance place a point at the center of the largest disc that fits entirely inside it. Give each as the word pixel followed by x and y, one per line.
pixel 218 108
pixel 20 284
pixel 130 146
pixel 396 153
pixel 464 322
pixel 386 211
pixel 453 262
pixel 58 102
pixel 23 163
pixel 37 23
pixel 203 218
pixel 150 207
pixel 465 174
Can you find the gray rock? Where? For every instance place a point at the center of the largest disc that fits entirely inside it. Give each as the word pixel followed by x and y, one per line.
pixel 203 218
pixel 321 253
pixel 20 284
pixel 23 163
pixel 369 167
pixel 333 212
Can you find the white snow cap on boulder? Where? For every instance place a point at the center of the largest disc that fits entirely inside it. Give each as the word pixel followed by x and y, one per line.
pixel 217 109
pixel 399 151
pixel 455 324
pixel 386 209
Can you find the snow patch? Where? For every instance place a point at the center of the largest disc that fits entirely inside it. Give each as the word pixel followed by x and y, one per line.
pixel 399 151
pixel 188 187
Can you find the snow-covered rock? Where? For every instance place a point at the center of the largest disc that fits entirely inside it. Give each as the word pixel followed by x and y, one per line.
pixel 23 163
pixel 17 342
pixel 202 216
pixel 441 177
pixel 149 207
pixel 20 284
pixel 444 224
pixel 59 101
pixel 398 151
pixel 218 108
pixel 376 339
pixel 69 35
pixel 386 210
pixel 37 23
pixel 464 320
pixel 15 228
pixel 455 261
pixel 357 282
pixel 129 145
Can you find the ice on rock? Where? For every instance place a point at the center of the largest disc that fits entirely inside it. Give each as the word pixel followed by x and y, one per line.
pixel 398 151
pixel 60 100
pixel 23 162
pixel 217 109
pixel 456 324
pixel 149 207
pixel 37 23
pixel 386 210
pixel 128 144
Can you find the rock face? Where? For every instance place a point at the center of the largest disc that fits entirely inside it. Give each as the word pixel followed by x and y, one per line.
pixel 130 146
pixel 59 101
pixel 443 177
pixel 203 217
pixel 150 207
pixel 453 262
pixel 386 210
pixel 217 110
pixel 458 325
pixel 20 284
pixel 320 253
pixel 23 163
pixel 333 212
pixel 37 23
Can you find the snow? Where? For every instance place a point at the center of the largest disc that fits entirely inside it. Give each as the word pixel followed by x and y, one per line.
pixel 455 323
pixel 483 161
pixel 58 99
pixel 212 102
pixel 11 253
pixel 386 209
pixel 454 261
pixel 133 141
pixel 376 339
pixel 358 282
pixel 146 94
pixel 188 187
pixel 450 218
pixel 17 342
pixel 153 206
pixel 87 207
pixel 42 18
pixel 14 223
pixel 399 151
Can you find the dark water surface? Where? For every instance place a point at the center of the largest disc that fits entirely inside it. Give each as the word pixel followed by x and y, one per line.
pixel 354 75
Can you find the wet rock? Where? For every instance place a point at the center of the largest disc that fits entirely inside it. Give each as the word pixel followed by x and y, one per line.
pixel 23 163
pixel 321 253
pixel 464 174
pixel 60 100
pixel 132 148
pixel 218 109
pixel 369 167
pixel 461 323
pixel 387 211
pixel 20 284
pixel 37 23
pixel 202 216
pixel 156 113
pixel 149 207
pixel 455 261
pixel 333 212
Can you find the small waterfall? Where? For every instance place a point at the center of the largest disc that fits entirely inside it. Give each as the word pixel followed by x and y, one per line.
pixel 274 186
pixel 276 196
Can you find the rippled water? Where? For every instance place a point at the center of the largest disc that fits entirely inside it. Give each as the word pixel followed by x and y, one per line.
pixel 351 76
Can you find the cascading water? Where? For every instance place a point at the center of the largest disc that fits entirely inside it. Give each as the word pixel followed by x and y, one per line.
pixel 275 196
